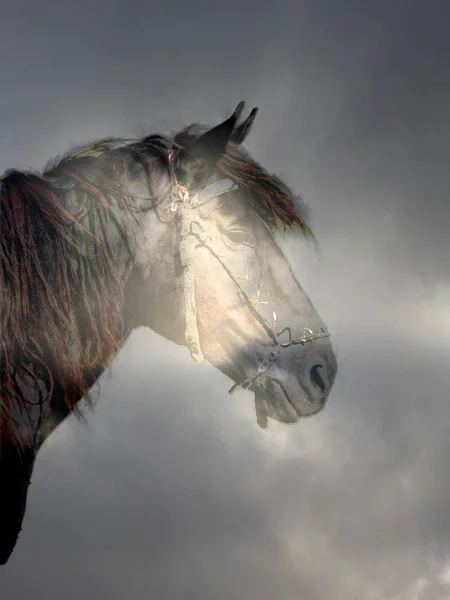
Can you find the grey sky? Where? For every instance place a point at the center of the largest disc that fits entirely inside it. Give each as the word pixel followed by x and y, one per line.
pixel 176 493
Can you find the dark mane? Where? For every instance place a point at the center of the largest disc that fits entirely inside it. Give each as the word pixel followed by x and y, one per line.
pixel 61 287
pixel 268 196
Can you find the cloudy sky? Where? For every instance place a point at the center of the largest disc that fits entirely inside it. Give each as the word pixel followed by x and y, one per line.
pixel 176 493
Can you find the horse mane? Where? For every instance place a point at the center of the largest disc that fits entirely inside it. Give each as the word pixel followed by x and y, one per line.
pixel 268 196
pixel 62 290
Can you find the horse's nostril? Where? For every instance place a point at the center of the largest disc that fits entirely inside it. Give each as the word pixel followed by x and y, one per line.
pixel 316 377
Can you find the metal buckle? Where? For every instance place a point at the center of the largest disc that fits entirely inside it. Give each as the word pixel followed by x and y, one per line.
pixel 305 335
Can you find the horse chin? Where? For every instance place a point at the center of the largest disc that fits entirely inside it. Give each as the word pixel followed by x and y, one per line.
pixel 272 402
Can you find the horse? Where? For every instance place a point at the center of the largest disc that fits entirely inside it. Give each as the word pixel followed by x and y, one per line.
pixel 178 234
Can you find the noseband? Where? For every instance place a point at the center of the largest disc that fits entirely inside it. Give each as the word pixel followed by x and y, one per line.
pixel 192 234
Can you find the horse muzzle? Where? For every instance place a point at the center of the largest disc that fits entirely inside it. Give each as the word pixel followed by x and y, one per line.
pixel 298 384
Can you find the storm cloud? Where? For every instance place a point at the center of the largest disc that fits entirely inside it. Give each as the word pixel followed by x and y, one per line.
pixel 175 492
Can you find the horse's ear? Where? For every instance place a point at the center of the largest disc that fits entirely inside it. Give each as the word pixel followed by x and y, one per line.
pixel 241 131
pixel 212 144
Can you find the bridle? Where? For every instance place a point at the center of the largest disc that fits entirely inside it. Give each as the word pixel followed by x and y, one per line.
pixel 185 207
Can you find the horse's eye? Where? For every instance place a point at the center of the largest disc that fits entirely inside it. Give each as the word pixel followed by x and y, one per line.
pixel 239 236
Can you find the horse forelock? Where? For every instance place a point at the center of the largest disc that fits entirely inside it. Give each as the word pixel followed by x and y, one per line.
pixel 266 193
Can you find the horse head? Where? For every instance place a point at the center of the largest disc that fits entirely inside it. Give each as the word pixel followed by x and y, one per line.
pixel 217 278
pixel 179 235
